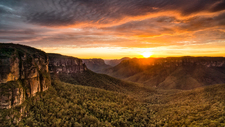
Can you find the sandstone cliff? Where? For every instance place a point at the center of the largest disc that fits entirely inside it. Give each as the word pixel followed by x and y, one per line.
pixel 65 64
pixel 24 72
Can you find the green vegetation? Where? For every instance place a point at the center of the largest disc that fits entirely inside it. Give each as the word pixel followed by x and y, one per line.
pixel 6 52
pixel 71 105
pixel 67 104
pixel 200 107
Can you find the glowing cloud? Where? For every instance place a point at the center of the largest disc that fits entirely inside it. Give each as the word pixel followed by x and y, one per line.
pixel 77 27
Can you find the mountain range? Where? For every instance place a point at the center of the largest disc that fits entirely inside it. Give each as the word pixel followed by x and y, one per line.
pixel 171 73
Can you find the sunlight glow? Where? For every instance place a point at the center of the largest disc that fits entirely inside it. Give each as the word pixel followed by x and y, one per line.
pixel 147 54
pixel 120 52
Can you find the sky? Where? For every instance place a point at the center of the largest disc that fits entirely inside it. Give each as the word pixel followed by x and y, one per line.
pixel 112 29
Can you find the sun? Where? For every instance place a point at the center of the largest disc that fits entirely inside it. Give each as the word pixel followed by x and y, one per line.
pixel 146 54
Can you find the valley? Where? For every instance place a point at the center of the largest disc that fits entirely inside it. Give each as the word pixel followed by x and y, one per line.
pixel 112 63
pixel 142 92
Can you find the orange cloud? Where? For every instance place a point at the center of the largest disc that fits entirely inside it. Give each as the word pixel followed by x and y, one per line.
pixel 176 27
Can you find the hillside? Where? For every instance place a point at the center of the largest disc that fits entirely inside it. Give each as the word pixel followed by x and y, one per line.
pixel 67 104
pixel 203 106
pixel 74 105
pixel 102 81
pixel 172 73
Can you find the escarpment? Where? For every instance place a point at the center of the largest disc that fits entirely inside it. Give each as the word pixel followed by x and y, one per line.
pixel 24 72
pixel 65 64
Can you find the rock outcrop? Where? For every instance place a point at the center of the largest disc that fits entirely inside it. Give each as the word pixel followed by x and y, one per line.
pixel 65 64
pixel 24 72
pixel 96 65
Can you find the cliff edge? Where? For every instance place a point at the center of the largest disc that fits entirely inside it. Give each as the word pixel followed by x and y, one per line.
pixel 24 72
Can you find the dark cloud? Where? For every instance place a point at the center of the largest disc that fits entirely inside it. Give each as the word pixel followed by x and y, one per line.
pixel 4 10
pixel 220 20
pixel 201 23
pixel 18 35
pixel 15 38
pixel 26 32
pixel 69 12
pixel 218 6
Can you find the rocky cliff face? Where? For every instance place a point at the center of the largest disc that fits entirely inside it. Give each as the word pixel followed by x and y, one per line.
pixel 96 65
pixel 24 72
pixel 65 64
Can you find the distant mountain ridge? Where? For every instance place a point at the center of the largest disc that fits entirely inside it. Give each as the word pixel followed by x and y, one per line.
pixel 172 72
pixel 115 62
pixel 95 64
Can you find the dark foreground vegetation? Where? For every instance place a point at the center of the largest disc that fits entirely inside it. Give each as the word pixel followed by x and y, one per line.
pixel 199 107
pixel 67 104
pixel 72 105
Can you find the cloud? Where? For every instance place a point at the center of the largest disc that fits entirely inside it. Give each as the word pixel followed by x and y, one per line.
pixel 218 6
pixel 112 23
pixel 105 12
